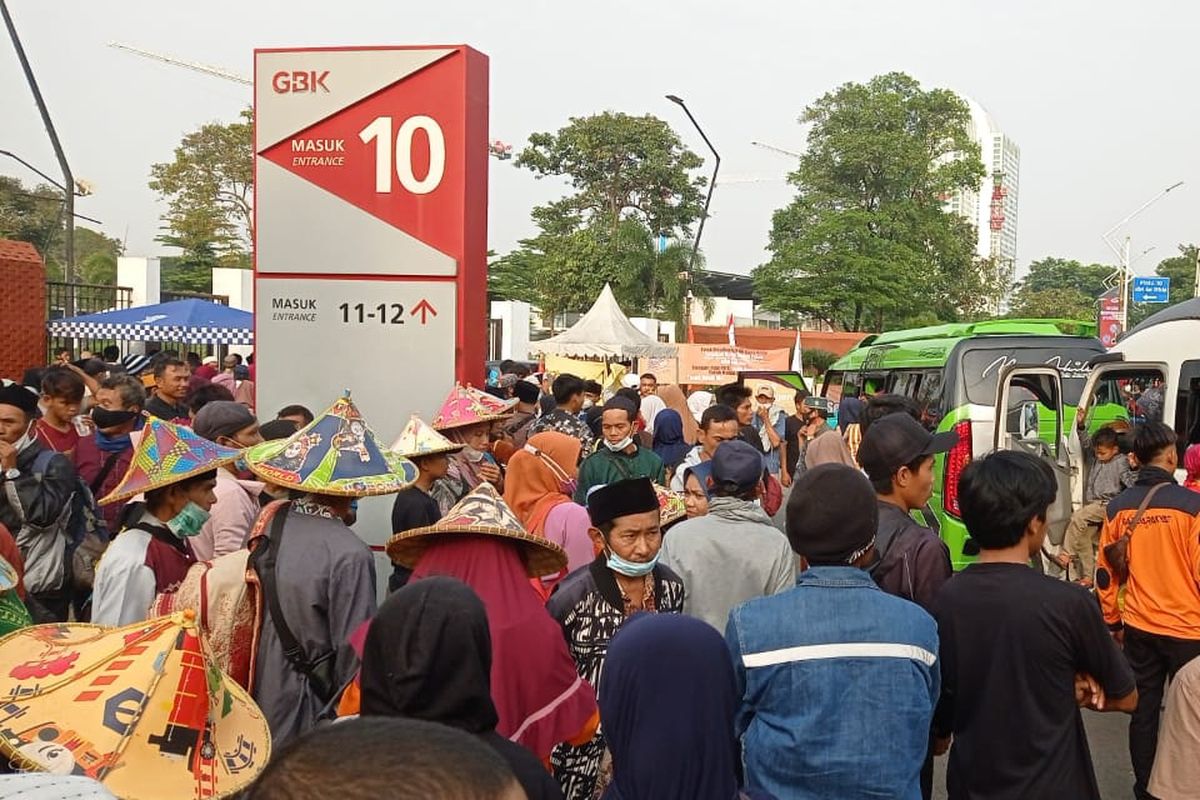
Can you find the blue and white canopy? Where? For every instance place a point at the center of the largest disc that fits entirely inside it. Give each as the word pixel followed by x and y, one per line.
pixel 191 320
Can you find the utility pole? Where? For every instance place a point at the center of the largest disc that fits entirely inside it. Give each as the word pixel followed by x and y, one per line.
pixel 68 179
pixel 1122 252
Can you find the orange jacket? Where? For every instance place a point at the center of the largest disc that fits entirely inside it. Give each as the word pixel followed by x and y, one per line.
pixel 1163 593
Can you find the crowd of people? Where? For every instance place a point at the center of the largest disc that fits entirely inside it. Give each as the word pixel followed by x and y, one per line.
pixel 591 596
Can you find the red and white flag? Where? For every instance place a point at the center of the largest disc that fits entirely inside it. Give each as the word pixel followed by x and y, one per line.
pixel 732 335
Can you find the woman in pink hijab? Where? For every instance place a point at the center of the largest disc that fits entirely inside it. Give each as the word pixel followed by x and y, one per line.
pixel 1191 463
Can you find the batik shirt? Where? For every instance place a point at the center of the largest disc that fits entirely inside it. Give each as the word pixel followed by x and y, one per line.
pixel 563 422
pixel 590 607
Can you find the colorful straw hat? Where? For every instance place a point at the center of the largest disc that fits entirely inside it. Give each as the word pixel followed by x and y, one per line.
pixel 671 507
pixel 337 453
pixel 482 512
pixel 490 401
pixel 418 439
pixel 466 406
pixel 140 709
pixel 168 453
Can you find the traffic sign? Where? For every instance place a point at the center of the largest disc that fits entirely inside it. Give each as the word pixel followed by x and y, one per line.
pixel 370 232
pixel 1151 290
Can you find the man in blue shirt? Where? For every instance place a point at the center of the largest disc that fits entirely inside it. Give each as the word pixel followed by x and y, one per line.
pixel 838 680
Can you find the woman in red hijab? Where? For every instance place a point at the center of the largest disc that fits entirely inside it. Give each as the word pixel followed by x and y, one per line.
pixel 539 696
pixel 541 480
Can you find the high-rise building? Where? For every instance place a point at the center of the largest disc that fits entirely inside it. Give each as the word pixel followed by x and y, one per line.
pixel 992 207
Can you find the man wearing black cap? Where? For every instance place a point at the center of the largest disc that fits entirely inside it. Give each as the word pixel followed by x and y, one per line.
pixel 619 457
pixel 897 455
pixel 837 679
pixel 825 444
pixel 517 428
pixel 733 553
pixel 233 425
pixel 37 487
pixel 593 602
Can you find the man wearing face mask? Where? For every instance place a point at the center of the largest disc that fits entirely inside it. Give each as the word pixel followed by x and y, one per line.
pixel 233 425
pixel 36 489
pixel 594 601
pixel 152 556
pixel 618 458
pixel 102 458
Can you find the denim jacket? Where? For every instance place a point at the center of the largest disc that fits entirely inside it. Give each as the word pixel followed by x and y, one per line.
pixel 838 682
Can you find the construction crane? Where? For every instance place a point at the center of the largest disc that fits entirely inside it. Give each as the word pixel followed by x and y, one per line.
pixel 496 148
pixel 204 69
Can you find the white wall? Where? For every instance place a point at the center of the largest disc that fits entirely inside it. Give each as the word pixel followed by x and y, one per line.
pixel 514 323
pixel 238 286
pixel 144 277
pixel 742 310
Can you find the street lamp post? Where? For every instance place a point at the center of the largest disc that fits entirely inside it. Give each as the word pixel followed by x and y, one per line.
pixel 707 201
pixel 1123 251
pixel 68 179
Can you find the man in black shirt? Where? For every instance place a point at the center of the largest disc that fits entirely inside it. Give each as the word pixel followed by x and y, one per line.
pixel 170 387
pixel 1020 652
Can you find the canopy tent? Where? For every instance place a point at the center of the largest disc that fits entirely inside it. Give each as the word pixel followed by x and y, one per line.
pixel 189 320
pixel 603 332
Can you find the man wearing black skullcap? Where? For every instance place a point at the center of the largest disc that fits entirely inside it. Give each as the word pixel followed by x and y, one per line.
pixel 835 662
pixel 593 602
pixel 36 488
pixel 517 428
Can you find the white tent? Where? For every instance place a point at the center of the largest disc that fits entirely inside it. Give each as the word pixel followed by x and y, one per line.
pixel 603 332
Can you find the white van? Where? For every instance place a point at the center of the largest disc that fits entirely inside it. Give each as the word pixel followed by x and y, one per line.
pixel 1153 373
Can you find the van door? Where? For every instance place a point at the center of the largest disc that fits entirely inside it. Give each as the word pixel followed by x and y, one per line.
pixel 1117 394
pixel 1029 419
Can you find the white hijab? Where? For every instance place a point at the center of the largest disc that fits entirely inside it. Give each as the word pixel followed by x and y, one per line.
pixel 698 401
pixel 652 404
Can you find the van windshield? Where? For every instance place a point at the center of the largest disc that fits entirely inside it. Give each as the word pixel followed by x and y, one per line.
pixel 982 365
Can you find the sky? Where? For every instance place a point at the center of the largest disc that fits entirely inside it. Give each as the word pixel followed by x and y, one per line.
pixel 1098 95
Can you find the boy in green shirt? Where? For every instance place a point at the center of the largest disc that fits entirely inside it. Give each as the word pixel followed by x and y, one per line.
pixel 618 458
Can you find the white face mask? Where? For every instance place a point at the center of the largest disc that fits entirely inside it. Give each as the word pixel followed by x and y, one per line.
pixel 25 440
pixel 617 447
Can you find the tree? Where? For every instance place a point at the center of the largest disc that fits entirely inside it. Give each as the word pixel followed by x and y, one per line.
pixel 1181 269
pixel 818 361
pixel 209 191
pixel 867 239
pixel 35 215
pixel 631 181
pixel 1060 288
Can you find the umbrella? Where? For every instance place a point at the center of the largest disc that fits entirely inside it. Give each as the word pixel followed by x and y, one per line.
pixel 177 321
pixel 140 709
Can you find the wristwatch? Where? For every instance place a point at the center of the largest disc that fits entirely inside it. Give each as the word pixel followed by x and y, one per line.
pixel 11 474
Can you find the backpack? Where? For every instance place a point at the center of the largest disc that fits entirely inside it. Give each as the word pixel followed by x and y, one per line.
pixel 79 523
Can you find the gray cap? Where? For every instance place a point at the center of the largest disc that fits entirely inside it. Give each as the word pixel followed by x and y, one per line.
pixel 222 418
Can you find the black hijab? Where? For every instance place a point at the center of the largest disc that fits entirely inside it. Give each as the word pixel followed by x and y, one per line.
pixel 428 655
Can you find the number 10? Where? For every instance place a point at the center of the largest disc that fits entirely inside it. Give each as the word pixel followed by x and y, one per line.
pixel 380 130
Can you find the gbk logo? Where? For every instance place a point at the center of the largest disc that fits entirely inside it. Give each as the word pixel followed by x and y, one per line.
pixel 299 82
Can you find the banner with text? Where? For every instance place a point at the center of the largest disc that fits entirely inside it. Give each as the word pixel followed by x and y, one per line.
pixel 712 365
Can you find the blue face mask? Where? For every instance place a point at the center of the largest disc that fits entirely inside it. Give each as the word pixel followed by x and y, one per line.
pixel 631 569
pixel 242 466
pixel 188 521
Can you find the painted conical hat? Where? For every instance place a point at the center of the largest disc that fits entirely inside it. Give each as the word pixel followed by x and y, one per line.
pixel 418 439
pixel 671 507
pixel 466 406
pixel 167 453
pixel 493 403
pixel 482 512
pixel 337 453
pixel 139 708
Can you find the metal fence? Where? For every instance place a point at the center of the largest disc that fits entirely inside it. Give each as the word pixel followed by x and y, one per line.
pixel 167 297
pixel 73 299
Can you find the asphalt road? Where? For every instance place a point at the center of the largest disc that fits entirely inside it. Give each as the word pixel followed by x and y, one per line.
pixel 1110 756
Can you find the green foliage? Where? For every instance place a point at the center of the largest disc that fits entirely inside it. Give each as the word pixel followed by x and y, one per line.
pixel 631 179
pixel 1181 269
pixel 1059 288
pixel 209 190
pixel 818 361
pixel 866 242
pixel 35 215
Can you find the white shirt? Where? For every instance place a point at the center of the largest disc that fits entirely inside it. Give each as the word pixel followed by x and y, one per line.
pixel 124 588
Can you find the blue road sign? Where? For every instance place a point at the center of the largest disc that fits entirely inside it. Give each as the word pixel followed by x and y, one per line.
pixel 1151 290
